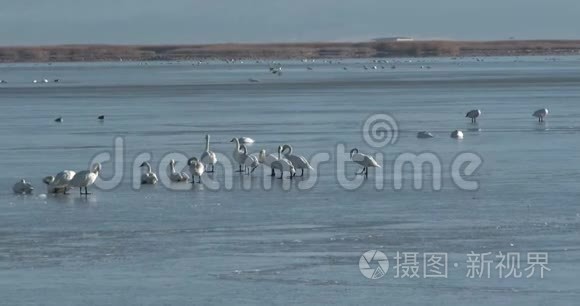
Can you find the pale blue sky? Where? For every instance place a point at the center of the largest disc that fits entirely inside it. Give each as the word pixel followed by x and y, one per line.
pixel 24 22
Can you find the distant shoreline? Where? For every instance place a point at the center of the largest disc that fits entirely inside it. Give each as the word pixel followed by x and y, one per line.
pixel 96 53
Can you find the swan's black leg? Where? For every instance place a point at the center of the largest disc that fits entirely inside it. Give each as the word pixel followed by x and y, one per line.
pixel 240 168
pixel 273 172
pixel 281 174
pixel 302 173
pixel 254 169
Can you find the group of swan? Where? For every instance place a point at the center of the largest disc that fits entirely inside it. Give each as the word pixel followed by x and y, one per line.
pixel 473 115
pixel 286 161
pixel 63 181
pixel 197 167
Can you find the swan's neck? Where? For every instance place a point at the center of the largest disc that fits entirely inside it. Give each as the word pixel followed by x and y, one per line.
pixel 148 167
pixel 207 144
pixel 172 167
pixel 237 144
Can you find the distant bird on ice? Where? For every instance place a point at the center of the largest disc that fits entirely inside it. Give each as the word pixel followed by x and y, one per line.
pixel 457 134
pixel 540 114
pixel 424 134
pixel 59 119
pixel 22 187
pixel 101 117
pixel 473 114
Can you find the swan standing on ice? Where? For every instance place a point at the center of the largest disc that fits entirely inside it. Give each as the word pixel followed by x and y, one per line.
pixel 60 182
pixel 22 187
pixel 457 134
pixel 237 154
pixel 175 176
pixel 149 177
pixel 267 160
pixel 364 160
pixel 424 134
pixel 250 161
pixel 298 161
pixel 473 114
pixel 208 157
pixel 540 114
pixel 86 178
pixel 283 164
pixel 196 168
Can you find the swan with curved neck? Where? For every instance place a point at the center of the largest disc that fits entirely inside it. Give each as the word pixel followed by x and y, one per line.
pixel 149 177
pixel 59 183
pixel 175 176
pixel 283 164
pixel 250 161
pixel 208 157
pixel 298 161
pixel 364 160
pixel 84 179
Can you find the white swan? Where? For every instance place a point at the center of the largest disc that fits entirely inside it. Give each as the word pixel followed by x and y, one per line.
pixel 175 176
pixel 267 160
pixel 237 154
pixel 196 168
pixel 60 182
pixel 283 164
pixel 424 134
pixel 149 177
pixel 86 178
pixel 473 114
pixel 540 114
pixel 22 187
pixel 364 160
pixel 457 134
pixel 208 157
pixel 246 140
pixel 298 161
pixel 250 161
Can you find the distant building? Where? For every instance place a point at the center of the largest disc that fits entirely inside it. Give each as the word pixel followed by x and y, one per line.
pixel 384 39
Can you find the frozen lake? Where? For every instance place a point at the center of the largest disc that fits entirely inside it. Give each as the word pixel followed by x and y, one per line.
pixel 281 244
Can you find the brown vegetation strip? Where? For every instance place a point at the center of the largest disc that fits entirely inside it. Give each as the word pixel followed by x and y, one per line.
pixel 67 53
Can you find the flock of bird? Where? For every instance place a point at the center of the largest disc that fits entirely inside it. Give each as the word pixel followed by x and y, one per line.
pixel 285 161
pixel 473 115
